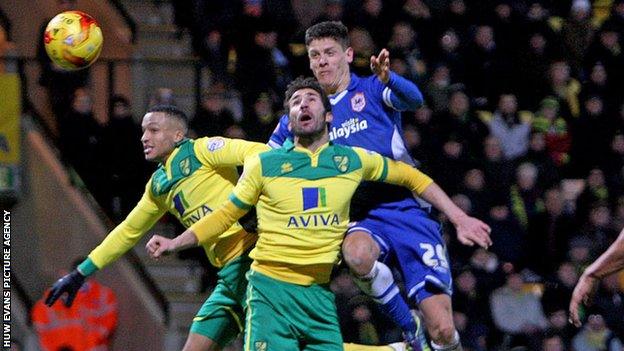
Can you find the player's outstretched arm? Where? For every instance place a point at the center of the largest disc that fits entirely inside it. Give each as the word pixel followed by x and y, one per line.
pixel 470 230
pixel 609 262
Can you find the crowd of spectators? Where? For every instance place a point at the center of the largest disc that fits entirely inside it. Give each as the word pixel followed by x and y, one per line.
pixel 523 125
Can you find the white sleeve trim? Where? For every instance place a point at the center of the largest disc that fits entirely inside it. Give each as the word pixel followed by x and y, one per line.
pixel 386 97
pixel 273 144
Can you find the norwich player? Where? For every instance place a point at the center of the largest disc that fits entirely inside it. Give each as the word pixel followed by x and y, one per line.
pixel 302 193
pixel 193 178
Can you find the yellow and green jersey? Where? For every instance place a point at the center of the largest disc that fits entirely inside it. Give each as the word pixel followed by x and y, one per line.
pixel 196 178
pixel 302 202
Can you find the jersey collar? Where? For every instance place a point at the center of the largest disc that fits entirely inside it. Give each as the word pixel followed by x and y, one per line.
pixel 353 82
pixel 289 145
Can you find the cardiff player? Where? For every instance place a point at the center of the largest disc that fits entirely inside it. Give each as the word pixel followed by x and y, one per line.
pixel 392 227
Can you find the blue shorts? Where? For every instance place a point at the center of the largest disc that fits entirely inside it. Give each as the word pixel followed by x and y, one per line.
pixel 410 241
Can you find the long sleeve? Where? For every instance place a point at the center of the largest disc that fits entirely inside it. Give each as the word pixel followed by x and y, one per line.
pixel 402 94
pixel 224 152
pixel 126 234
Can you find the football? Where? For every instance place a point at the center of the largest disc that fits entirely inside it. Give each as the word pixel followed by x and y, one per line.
pixel 73 40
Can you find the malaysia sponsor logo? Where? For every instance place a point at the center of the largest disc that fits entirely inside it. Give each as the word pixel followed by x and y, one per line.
pixel 348 127
pixel 358 102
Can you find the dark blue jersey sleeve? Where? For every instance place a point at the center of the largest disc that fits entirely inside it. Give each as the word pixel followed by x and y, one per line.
pixel 402 94
pixel 280 134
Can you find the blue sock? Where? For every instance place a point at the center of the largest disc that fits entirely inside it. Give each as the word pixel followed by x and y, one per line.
pixel 379 284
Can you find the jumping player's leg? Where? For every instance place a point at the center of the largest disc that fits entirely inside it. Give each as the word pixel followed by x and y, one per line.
pixel 361 253
pixel 438 314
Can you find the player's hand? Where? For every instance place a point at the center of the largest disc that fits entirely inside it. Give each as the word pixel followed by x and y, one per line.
pixel 583 293
pixel 472 231
pixel 380 65
pixel 159 246
pixel 70 284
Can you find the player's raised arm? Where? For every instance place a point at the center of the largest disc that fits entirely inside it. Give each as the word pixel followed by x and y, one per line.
pixel 470 230
pixel 116 243
pixel 401 94
pixel 608 263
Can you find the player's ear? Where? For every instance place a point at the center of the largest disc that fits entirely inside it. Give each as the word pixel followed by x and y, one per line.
pixel 349 53
pixel 329 117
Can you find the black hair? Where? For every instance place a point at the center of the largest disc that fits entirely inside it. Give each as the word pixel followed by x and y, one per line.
pixel 306 83
pixel 173 112
pixel 328 29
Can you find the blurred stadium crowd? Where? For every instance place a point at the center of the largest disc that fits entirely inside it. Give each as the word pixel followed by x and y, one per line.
pixel 523 125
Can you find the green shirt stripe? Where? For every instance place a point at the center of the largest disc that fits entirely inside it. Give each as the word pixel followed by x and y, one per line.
pixel 239 203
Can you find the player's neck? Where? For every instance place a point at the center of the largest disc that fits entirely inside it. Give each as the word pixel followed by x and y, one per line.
pixel 341 85
pixel 312 143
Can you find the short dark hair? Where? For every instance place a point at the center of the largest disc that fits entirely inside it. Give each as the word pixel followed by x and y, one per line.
pixel 328 29
pixel 173 112
pixel 305 83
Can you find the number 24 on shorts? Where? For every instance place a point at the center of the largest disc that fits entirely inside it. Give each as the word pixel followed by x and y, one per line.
pixel 434 256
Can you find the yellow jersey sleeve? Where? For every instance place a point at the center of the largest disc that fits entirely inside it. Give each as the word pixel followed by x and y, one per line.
pixel 127 233
pixel 224 152
pixel 379 168
pixel 243 197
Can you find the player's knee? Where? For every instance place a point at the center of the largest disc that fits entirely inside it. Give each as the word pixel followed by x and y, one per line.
pixel 360 252
pixel 443 333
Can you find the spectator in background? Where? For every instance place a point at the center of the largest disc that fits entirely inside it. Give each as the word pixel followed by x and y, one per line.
pixel 332 11
pixel 261 120
pixel 508 236
pixel 363 47
pixel 460 123
pixel 60 84
pixel 577 33
pixel 403 44
pixel 474 187
pixel 162 96
pixel 595 191
pixel 596 336
pixel 126 168
pixel 565 88
pixel 498 171
pixel 532 68
pixel 212 117
pixel 524 194
pixel 516 311
pixel 89 324
pixel 509 128
pixel 554 129
pixel 548 234
pixel 547 172
pixel 608 51
pixel 609 302
pixel 448 53
pixel 438 88
pixel 553 342
pixel 481 58
pixel 81 141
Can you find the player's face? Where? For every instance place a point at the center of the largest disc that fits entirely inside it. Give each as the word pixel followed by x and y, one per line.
pixel 307 115
pixel 329 63
pixel 160 135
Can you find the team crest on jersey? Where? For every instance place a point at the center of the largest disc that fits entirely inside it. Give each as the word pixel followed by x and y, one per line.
pixel 260 345
pixel 185 166
pixel 358 102
pixel 215 144
pixel 341 163
pixel 286 167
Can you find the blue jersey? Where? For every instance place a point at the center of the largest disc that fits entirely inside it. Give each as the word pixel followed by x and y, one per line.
pixel 367 114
